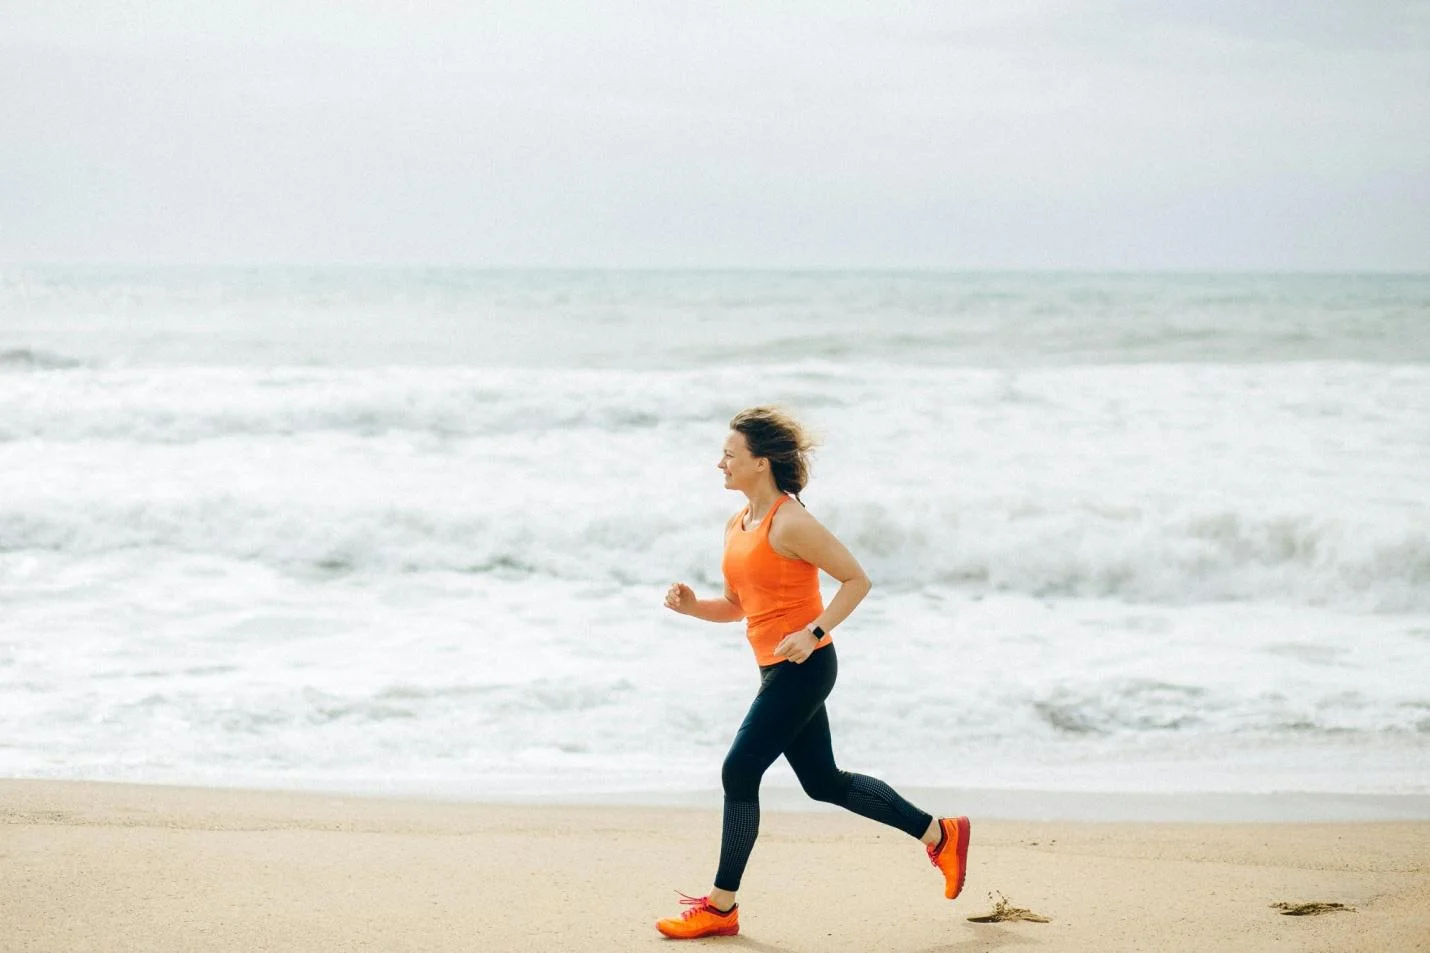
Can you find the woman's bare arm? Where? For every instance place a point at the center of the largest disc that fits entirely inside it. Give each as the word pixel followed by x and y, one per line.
pixel 726 608
pixel 798 535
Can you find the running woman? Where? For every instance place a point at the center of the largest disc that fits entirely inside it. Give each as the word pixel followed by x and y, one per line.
pixel 773 555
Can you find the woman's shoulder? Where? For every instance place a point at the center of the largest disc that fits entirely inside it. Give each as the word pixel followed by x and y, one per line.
pixel 794 531
pixel 792 515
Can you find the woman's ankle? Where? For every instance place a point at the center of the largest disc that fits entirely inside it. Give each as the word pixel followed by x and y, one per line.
pixel 722 900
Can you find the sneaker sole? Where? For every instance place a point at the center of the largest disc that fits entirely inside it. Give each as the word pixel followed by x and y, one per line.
pixel 719 931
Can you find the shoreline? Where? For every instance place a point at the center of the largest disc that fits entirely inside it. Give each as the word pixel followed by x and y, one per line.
pixel 1036 805
pixel 1004 804
pixel 120 867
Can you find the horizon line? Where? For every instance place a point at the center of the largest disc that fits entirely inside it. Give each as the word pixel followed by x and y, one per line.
pixel 1182 271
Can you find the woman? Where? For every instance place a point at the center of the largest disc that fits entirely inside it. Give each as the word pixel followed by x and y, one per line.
pixel 773 555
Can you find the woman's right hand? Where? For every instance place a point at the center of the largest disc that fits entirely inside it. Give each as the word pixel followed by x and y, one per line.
pixel 680 598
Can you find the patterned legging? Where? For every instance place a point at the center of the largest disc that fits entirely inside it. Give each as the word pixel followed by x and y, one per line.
pixel 788 718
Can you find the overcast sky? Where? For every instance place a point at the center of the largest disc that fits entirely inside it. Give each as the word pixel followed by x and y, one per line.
pixel 1180 134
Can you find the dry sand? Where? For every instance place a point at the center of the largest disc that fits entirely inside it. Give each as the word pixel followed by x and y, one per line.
pixel 128 867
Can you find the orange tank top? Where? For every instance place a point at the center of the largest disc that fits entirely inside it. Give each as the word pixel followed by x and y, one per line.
pixel 779 595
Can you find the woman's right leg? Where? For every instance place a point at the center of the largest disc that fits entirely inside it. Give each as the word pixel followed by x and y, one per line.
pixel 788 697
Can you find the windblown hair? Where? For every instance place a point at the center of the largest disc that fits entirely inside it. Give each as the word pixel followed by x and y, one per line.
pixel 774 435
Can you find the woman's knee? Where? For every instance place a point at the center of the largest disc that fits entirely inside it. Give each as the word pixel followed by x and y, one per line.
pixel 740 777
pixel 828 787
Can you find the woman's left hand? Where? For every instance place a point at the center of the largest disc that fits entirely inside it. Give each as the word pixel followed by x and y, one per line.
pixel 797 646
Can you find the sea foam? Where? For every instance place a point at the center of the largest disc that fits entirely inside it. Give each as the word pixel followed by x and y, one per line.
pixel 412 531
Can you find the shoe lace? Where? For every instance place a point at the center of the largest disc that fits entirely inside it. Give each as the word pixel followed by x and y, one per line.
pixel 696 904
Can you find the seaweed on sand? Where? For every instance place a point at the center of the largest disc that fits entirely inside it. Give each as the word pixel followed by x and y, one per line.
pixel 1003 911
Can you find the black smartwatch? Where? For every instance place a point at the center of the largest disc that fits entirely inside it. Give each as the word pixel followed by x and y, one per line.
pixel 817 632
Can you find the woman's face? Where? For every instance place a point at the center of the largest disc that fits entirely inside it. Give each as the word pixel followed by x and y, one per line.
pixel 742 469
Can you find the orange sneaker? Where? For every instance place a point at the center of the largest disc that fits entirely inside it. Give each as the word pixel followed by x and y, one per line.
pixel 701 919
pixel 952 857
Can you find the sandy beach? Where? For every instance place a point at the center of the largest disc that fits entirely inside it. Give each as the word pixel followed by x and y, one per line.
pixel 117 867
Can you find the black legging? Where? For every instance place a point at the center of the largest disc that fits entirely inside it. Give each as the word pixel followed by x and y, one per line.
pixel 788 718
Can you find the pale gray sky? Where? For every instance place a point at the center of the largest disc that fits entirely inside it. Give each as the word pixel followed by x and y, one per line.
pixel 1279 134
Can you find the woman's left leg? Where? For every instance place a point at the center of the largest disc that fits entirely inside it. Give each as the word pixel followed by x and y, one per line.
pixel 811 754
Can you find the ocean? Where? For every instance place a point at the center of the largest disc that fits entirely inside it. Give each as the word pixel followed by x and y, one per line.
pixel 408 531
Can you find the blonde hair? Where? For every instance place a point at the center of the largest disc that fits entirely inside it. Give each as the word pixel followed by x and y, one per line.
pixel 774 435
